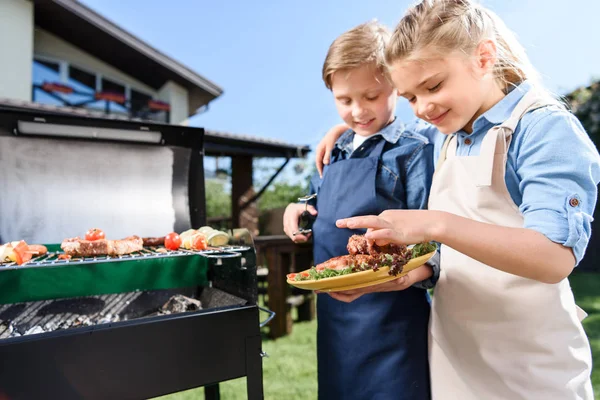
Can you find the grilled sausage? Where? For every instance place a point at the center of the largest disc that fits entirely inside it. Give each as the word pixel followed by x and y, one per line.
pixel 37 250
pixel 154 241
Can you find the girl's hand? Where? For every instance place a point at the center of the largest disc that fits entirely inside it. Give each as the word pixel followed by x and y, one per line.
pixel 396 226
pixel 326 144
pixel 404 282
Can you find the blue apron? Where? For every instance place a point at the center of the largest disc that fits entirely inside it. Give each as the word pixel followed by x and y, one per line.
pixel 376 346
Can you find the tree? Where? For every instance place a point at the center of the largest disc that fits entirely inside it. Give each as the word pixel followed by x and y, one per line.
pixel 585 103
pixel 218 201
pixel 280 195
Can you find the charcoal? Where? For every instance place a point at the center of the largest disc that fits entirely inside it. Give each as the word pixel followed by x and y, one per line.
pixel 180 303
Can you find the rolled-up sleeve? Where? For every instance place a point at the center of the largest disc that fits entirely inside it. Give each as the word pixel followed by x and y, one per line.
pixel 559 170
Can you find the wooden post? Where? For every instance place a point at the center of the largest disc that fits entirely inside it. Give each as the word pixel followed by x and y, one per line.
pixel 277 290
pixel 241 192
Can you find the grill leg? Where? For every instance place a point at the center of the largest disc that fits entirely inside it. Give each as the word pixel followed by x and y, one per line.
pixel 254 373
pixel 211 392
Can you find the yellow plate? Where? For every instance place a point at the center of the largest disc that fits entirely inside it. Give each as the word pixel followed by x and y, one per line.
pixel 359 279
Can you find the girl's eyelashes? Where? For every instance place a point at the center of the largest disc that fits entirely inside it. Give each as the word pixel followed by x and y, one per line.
pixel 373 98
pixel 435 88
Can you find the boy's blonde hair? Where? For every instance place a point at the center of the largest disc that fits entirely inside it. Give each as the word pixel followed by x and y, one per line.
pixel 364 44
pixel 446 25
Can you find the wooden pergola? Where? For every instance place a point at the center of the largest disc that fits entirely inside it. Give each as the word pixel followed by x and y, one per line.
pixel 242 150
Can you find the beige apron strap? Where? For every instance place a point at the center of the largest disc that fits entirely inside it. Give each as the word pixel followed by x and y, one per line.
pixel 444 151
pixel 502 134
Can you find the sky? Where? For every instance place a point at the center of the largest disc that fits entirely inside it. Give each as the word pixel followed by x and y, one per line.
pixel 267 55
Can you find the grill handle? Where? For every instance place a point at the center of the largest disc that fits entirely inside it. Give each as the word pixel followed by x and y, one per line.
pixel 269 318
pixel 222 254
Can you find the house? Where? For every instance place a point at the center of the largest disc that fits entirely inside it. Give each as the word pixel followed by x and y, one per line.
pixel 60 54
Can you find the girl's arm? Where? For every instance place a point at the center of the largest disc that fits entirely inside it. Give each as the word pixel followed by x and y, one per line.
pixel 559 170
pixel 323 151
pixel 518 251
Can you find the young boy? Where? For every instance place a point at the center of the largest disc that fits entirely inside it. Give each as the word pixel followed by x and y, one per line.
pixel 376 346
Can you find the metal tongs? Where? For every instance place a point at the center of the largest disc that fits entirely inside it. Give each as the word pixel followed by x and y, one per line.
pixel 306 220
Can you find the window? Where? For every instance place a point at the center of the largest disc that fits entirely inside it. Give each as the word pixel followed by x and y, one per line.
pixel 46 71
pixel 84 84
pixel 59 83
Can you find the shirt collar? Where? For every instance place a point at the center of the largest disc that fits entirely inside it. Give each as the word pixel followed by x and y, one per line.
pixel 391 133
pixel 502 110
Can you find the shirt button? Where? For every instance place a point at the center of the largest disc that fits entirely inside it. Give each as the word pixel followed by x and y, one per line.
pixel 468 141
pixel 573 202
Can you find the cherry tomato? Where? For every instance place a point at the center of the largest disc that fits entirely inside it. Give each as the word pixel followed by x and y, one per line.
pixel 320 268
pixel 172 241
pixel 291 276
pixel 199 242
pixel 94 234
pixel 304 274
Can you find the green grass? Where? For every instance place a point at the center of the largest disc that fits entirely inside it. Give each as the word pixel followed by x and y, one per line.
pixel 586 287
pixel 290 371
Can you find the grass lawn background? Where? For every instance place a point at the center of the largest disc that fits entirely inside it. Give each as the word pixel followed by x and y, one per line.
pixel 290 371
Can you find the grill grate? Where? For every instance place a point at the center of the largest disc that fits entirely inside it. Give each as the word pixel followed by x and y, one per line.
pixel 51 315
pixel 51 258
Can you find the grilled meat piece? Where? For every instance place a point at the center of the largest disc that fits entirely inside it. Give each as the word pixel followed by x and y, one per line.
pixel 154 241
pixel 390 248
pixel 358 244
pixel 85 248
pixel 340 262
pixel 365 254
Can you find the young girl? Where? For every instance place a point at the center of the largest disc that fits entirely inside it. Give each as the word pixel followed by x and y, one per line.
pixel 511 202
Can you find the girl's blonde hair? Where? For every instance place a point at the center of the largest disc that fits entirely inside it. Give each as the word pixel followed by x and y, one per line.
pixel 364 44
pixel 446 25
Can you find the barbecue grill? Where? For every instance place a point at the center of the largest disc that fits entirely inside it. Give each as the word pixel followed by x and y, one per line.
pixel 134 326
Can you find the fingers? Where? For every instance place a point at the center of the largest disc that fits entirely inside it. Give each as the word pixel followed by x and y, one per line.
pixel 385 236
pixel 346 298
pixel 367 221
pixel 312 210
pixel 290 219
pixel 300 238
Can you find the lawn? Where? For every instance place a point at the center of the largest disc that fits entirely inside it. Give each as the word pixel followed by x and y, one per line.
pixel 290 370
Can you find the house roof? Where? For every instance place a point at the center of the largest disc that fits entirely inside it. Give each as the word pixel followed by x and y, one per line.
pixel 216 143
pixel 88 30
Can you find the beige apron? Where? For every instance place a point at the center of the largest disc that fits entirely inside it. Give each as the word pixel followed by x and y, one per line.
pixel 494 335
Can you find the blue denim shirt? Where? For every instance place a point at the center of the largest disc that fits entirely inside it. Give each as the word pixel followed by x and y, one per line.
pixel 552 171
pixel 404 173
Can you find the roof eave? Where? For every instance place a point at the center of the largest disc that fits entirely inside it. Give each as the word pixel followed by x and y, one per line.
pixel 138 45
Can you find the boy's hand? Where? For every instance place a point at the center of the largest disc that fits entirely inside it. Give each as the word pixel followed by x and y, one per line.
pixel 290 221
pixel 326 144
pixel 416 275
